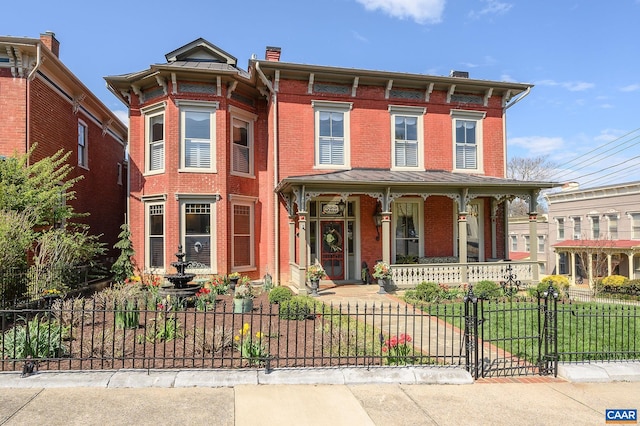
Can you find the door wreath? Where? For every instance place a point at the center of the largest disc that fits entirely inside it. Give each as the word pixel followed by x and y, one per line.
pixel 333 240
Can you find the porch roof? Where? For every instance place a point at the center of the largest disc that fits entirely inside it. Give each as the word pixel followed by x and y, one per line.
pixel 604 245
pixel 424 181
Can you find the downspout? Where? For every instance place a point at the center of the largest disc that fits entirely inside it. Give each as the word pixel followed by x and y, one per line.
pixel 28 100
pixel 276 219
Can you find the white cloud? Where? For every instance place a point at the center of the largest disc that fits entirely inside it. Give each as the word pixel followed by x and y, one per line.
pixel 421 11
pixel 492 7
pixel 359 37
pixel 631 87
pixel 537 145
pixel 572 86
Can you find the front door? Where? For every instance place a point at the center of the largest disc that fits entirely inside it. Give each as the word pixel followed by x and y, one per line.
pixel 332 248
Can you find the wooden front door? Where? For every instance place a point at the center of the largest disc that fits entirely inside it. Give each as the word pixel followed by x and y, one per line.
pixel 332 248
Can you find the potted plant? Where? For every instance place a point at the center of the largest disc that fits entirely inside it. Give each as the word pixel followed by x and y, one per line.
pixel 233 280
pixel 382 272
pixel 243 297
pixel 315 273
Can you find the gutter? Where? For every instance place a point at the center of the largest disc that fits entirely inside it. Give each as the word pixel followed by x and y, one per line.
pixel 28 100
pixel 524 95
pixel 276 219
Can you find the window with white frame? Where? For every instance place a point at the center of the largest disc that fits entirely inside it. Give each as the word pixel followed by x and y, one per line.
pixel 514 242
pixel 332 129
pixel 540 243
pixel 155 236
pixel 196 231
pixel 197 135
pixel 577 228
pixel 527 243
pixel 407 229
pixel 560 222
pixel 635 226
pixel 407 136
pixel 612 226
pixel 242 141
pixel 243 235
pixel 467 140
pixel 595 227
pixel 154 138
pixel 83 135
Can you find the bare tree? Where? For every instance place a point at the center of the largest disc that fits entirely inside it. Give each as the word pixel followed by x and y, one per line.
pixel 528 169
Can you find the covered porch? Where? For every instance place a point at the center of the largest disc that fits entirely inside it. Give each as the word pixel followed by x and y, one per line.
pixel 348 220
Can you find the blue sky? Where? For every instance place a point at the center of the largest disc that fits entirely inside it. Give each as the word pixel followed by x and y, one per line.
pixel 582 56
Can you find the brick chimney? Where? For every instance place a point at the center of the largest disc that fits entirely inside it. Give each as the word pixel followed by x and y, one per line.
pixel 272 54
pixel 48 38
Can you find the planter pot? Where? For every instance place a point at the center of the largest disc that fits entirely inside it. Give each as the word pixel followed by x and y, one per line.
pixel 242 305
pixel 315 284
pixel 233 282
pixel 381 284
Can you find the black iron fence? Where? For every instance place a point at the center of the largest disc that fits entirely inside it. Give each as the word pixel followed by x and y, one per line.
pixel 489 338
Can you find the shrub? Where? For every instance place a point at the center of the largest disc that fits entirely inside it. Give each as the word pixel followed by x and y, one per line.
pixel 280 294
pixel 428 291
pixel 297 308
pixel 36 338
pixel 487 290
pixel 560 284
pixel 614 283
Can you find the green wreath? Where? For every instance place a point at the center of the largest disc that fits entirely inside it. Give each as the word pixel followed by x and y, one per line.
pixel 333 240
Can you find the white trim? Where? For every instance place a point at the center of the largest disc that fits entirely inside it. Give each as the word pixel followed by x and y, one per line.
pixel 250 119
pixel 198 106
pixel 419 202
pixel 250 204
pixel 85 157
pixel 149 113
pixel 157 201
pixel 478 117
pixel 185 199
pixel 330 106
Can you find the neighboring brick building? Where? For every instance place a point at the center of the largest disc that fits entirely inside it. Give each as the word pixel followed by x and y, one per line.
pixel 268 170
pixel 43 103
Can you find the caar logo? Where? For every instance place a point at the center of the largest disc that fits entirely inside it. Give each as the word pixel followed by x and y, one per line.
pixel 621 416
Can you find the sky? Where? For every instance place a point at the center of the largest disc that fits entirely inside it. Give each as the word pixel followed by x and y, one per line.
pixel 581 56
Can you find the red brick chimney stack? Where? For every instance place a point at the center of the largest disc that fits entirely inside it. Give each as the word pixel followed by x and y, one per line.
pixel 272 54
pixel 48 38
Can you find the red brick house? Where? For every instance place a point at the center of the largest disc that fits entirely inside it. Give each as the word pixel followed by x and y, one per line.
pixel 269 170
pixel 43 103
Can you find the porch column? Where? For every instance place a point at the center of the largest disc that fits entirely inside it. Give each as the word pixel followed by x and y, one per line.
pixel 630 257
pixel 572 265
pixel 386 237
pixel 609 263
pixel 557 255
pixel 292 239
pixel 462 244
pixel 533 244
pixel 494 232
pixel 302 251
pixel 590 269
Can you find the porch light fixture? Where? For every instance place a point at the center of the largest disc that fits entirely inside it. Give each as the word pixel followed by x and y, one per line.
pixel 341 205
pixel 377 218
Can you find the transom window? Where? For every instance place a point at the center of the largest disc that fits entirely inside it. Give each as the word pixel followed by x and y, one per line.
pixel 332 134
pixel 197 121
pixel 83 157
pixel 407 136
pixel 467 139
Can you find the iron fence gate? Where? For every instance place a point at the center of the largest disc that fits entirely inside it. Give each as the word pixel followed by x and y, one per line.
pixel 506 338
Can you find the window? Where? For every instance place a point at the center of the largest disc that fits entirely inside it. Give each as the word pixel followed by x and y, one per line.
pixel 514 242
pixel 467 140
pixel 83 157
pixel 540 244
pixel 197 135
pixel 407 137
pixel 154 138
pixel 635 226
pixel 560 221
pixel 241 141
pixel 577 228
pixel 332 134
pixel 155 233
pixel 197 232
pixel 527 243
pixel 119 173
pixel 243 241
pixel 595 227
pixel 406 217
pixel 613 226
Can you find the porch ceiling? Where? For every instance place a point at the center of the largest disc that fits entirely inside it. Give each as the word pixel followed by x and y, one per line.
pixel 415 182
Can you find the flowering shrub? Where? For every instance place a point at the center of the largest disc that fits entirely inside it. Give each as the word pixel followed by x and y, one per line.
pixel 398 349
pixel 217 285
pixel 251 348
pixel 381 270
pixel 205 299
pixel 315 272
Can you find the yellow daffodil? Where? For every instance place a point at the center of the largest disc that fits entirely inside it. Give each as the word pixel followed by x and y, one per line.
pixel 259 335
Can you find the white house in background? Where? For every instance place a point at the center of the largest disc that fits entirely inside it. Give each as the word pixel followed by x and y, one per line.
pixel 519 241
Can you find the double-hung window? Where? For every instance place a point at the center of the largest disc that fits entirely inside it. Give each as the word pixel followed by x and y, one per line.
pixel 577 228
pixel 197 135
pixel 514 242
pixel 467 140
pixel 407 136
pixel 560 222
pixel 332 128
pixel 635 226
pixel 595 227
pixel 540 243
pixel 612 226
pixel 155 235
pixel 197 232
pixel 154 137
pixel 242 141
pixel 83 155
pixel 527 244
pixel 407 228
